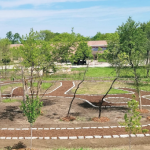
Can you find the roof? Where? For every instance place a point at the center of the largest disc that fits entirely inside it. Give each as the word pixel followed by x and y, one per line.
pixel 97 43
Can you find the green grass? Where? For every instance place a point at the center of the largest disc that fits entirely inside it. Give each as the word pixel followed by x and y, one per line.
pixel 116 91
pixel 8 100
pixel 5 87
pixel 99 88
pixel 44 85
pixel 98 71
pixel 110 72
pixel 112 91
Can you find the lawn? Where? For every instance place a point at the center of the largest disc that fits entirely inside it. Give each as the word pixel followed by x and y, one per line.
pixel 88 87
pixel 99 88
pixel 44 85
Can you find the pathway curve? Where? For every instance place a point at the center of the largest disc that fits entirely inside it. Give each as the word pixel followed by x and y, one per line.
pixel 94 99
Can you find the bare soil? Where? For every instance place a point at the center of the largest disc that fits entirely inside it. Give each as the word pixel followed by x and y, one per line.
pixel 57 107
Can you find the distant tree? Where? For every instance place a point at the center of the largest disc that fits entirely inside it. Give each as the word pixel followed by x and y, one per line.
pixel 16 38
pixel 80 37
pixel 13 38
pixel 9 36
pixel 98 36
pixel 82 53
pixel 102 36
pixel 5 53
pixel 46 35
pixel 63 37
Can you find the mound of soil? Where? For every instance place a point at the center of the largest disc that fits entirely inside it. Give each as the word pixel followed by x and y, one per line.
pixel 101 119
pixel 68 118
pixel 143 111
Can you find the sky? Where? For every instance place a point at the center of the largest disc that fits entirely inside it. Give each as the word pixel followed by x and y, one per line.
pixel 86 16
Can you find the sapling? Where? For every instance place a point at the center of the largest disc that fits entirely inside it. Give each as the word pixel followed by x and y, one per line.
pixel 31 109
pixel 132 119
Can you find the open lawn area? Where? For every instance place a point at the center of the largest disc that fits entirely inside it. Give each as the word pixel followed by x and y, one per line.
pixel 100 87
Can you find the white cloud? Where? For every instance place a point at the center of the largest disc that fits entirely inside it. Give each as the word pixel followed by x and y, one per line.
pixel 16 3
pixel 86 21
pixel 92 12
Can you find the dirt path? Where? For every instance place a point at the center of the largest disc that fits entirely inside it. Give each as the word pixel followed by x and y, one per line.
pixel 66 85
pixel 70 132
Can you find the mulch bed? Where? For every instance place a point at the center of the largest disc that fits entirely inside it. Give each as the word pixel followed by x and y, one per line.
pixel 143 111
pixel 68 118
pixel 101 119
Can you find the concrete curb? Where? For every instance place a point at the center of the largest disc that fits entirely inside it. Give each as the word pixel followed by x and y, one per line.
pixel 77 137
pixel 76 128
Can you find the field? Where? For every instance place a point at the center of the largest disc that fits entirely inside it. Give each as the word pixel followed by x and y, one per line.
pixel 55 107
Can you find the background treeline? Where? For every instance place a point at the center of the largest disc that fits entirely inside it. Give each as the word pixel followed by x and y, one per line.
pixel 48 35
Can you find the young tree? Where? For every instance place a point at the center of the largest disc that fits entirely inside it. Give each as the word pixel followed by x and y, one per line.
pixel 31 109
pixel 146 29
pixel 131 42
pixel 132 120
pixel 37 56
pixel 116 59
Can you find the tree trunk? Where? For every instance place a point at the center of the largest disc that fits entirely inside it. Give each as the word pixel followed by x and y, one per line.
pixel 76 91
pixel 5 71
pixel 147 63
pixel 31 83
pixel 0 94
pixel 39 88
pixel 2 72
pixel 140 101
pixel 23 83
pixel 31 135
pixel 130 140
pixel 101 101
pixel 137 88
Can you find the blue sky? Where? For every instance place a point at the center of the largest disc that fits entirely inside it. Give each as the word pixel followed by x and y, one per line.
pixel 86 16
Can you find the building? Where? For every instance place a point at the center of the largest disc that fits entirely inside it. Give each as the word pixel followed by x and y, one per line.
pixel 97 44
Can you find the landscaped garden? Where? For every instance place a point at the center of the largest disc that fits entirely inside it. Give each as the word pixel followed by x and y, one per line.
pixel 56 105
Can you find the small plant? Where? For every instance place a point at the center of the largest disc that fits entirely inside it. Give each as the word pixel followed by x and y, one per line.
pixel 19 145
pixel 31 109
pixel 132 120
